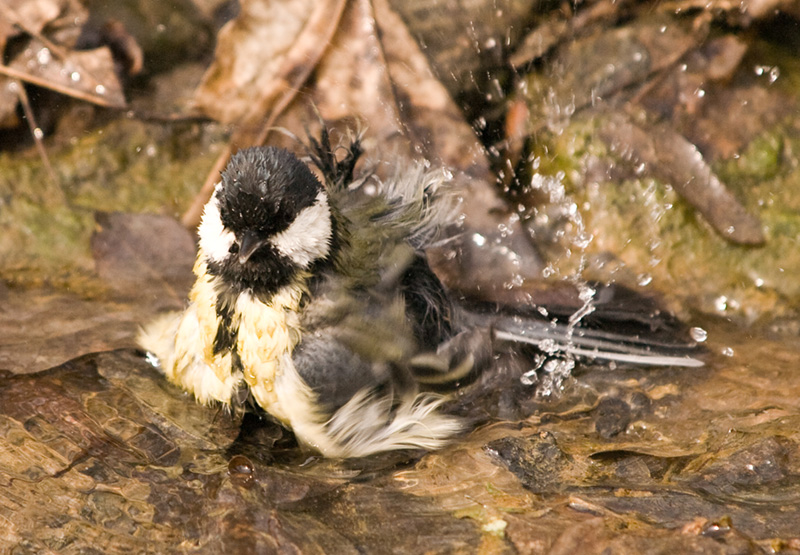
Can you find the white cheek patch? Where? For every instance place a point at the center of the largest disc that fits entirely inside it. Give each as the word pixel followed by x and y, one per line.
pixel 215 240
pixel 308 238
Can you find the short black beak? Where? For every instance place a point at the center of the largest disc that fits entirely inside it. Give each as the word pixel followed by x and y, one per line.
pixel 249 244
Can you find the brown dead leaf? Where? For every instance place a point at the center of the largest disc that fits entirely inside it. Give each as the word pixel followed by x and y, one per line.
pixel 49 61
pixel 467 42
pixel 266 52
pixel 16 15
pixel 86 74
pixel 555 29
pixel 31 15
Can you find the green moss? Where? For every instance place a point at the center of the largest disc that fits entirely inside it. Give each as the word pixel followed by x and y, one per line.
pixel 762 159
pixel 129 166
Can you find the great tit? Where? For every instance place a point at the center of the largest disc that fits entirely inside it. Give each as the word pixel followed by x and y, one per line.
pixel 317 301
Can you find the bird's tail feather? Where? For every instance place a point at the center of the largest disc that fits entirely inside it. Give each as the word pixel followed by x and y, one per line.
pixel 604 345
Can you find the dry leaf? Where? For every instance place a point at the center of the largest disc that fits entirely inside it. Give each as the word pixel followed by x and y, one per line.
pixel 49 61
pixel 85 74
pixel 261 53
pixel 32 15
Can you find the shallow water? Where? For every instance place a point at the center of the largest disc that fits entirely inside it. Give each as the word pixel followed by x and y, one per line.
pixel 102 453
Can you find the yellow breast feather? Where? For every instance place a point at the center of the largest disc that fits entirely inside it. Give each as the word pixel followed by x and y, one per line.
pixel 266 331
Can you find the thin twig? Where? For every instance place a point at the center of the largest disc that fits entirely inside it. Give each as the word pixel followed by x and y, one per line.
pixel 37 137
pixel 44 83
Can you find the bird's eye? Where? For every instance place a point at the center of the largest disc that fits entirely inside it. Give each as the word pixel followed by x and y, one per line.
pixel 234 249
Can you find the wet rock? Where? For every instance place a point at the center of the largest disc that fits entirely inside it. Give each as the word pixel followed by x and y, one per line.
pixel 612 417
pixel 536 460
pixel 137 252
pixel 762 463
pixel 103 454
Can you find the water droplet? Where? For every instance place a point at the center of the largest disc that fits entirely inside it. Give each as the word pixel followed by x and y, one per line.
pixel 75 76
pixel 529 378
pixel 152 360
pixel 478 239
pixel 241 470
pixel 728 351
pixel 547 345
pixel 100 89
pixel 582 240
pixel 44 56
pixel 698 334
pixel 643 280
pixel 38 133
pixel 516 281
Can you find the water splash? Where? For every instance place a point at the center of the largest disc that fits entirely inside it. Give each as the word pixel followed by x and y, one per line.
pixel 549 374
pixel 771 72
pixel 586 294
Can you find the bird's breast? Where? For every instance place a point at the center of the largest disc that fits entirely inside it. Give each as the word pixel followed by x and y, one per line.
pixel 266 332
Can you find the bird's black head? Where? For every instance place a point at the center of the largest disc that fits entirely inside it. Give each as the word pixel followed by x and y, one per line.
pixel 268 219
pixel 263 190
